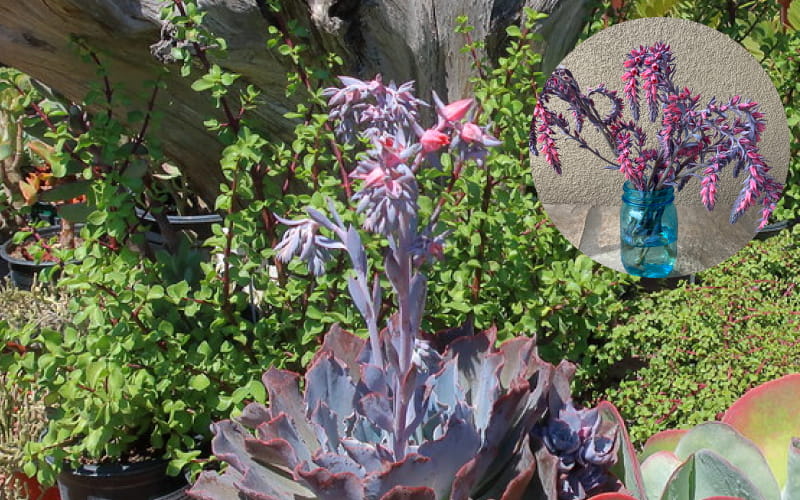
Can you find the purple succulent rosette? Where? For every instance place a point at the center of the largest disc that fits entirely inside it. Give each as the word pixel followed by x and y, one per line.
pixel 693 141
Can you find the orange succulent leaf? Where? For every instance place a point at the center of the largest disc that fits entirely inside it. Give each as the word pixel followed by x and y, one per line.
pixel 29 190
pixel 42 150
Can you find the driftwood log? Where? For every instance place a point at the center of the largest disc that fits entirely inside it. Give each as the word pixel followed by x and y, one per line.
pixel 401 39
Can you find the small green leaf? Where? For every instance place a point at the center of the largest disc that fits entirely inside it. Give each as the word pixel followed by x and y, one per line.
pixel 97 217
pixel 513 31
pixel 75 212
pixel 199 382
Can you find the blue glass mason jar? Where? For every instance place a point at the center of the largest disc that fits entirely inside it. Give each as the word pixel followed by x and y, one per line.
pixel 648 228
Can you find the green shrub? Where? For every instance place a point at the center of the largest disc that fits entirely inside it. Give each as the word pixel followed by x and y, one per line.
pixel 701 346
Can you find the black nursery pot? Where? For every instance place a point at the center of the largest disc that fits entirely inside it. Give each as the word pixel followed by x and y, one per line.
pixel 199 225
pixel 141 481
pixel 21 271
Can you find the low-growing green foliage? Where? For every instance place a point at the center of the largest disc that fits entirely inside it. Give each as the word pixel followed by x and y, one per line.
pixel 700 347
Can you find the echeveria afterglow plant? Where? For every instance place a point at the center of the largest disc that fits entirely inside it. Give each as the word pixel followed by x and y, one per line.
pixel 403 413
pixel 693 140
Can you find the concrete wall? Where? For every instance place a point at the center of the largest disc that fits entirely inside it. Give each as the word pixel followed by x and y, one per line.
pixel 709 63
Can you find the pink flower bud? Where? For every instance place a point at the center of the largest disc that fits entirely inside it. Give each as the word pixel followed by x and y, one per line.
pixel 456 110
pixel 471 132
pixel 432 140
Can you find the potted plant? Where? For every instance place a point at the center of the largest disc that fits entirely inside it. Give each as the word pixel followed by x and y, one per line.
pixel 693 141
pixel 137 377
pixel 34 174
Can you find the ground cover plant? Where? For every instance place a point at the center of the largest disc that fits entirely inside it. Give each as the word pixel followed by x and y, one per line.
pixel 734 329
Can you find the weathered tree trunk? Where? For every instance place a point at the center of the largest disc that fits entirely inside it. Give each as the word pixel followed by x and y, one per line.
pixel 401 39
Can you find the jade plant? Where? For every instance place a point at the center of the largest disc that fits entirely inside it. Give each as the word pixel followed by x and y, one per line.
pixel 404 413
pixel 693 141
pixel 753 453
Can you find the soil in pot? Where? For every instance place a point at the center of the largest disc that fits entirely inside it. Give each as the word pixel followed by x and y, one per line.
pixel 21 264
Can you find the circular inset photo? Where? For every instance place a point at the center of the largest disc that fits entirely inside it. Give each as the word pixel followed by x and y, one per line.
pixel 659 147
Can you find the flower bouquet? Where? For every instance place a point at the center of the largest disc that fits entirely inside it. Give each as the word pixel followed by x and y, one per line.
pixel 693 141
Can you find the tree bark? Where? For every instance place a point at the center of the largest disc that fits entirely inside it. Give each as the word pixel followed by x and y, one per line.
pixel 401 39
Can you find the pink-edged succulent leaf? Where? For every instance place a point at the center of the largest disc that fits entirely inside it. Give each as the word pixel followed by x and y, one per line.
pixel 273 451
pixel 283 428
pixel 433 466
pixel 520 359
pixel 244 475
pixel 735 448
pixel 661 441
pixel 707 474
pixel 284 397
pixel 328 381
pixel 409 493
pixel 213 486
pixel 378 410
pixel 656 471
pixel 791 490
pixel 344 346
pixel 627 468
pixel 769 415
pixel 327 425
pixel 329 485
pixel 511 416
pixel 371 457
pixel 516 481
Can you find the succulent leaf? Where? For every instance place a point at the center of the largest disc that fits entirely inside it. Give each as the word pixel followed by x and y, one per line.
pixel 738 450
pixel 409 493
pixel 656 470
pixel 666 440
pixel 791 490
pixel 627 466
pixel 613 496
pixel 707 474
pixel 768 415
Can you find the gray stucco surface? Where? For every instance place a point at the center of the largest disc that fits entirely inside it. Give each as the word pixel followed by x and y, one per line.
pixel 708 63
